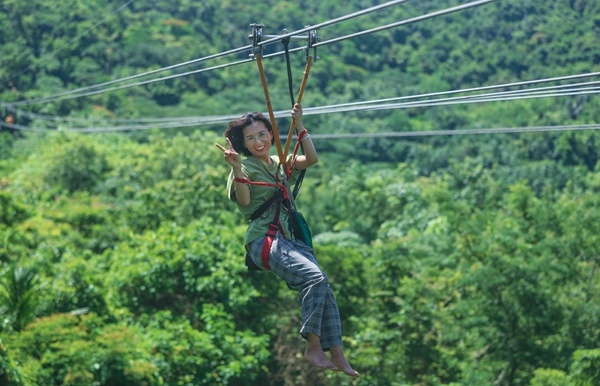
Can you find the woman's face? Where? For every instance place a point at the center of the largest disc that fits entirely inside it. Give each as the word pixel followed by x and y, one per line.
pixel 257 139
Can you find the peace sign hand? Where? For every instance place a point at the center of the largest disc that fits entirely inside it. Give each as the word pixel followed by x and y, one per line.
pixel 230 155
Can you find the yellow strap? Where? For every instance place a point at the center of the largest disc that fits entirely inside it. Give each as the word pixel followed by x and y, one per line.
pixel 270 108
pixel 299 100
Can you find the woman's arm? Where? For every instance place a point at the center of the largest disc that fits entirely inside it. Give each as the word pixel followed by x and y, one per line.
pixel 242 190
pixel 310 157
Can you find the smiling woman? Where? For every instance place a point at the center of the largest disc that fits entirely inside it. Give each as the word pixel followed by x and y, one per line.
pixel 248 131
pixel 269 241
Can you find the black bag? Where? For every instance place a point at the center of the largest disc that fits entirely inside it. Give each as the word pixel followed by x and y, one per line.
pixel 250 264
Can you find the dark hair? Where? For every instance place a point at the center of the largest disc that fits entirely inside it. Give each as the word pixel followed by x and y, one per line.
pixel 235 130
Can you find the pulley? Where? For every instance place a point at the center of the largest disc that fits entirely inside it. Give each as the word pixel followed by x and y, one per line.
pixel 257 37
pixel 312 39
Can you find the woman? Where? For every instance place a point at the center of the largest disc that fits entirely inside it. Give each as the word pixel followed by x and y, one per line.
pixel 289 258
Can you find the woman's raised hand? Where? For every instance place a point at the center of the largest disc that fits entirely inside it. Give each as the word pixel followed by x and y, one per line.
pixel 231 156
pixel 297 116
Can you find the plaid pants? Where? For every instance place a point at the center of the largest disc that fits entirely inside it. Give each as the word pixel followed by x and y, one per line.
pixel 295 263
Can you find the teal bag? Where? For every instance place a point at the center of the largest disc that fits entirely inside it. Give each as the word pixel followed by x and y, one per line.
pixel 300 228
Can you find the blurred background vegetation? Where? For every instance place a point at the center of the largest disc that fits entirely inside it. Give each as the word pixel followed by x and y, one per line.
pixel 456 259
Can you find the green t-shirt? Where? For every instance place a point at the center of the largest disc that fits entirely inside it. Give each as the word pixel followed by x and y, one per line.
pixel 257 170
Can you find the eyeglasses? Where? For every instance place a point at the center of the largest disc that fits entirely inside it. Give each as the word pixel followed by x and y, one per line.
pixel 263 135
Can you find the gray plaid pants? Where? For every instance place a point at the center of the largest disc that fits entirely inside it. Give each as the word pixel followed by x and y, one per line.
pixel 295 263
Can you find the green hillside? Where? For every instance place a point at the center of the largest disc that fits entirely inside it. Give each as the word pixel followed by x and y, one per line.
pixel 455 205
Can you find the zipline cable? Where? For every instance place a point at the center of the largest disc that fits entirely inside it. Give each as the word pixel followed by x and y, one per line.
pixel 74 93
pixel 474 89
pixel 336 109
pixel 93 89
pixel 188 122
pixel 444 102
pixel 90 90
pixel 141 83
pixel 331 22
pixel 387 106
pixel 406 134
pixel 432 133
pixel 404 22
pixel 349 104
pixel 410 101
pixel 490 97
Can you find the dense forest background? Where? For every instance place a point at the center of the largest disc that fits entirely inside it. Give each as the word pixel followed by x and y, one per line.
pixel 466 257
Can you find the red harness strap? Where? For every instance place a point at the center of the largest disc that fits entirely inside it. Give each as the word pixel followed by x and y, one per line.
pixel 274 225
pixel 269 237
pixel 247 181
pixel 301 136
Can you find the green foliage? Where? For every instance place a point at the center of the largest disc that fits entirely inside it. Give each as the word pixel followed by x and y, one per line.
pixel 11 211
pixel 6 142
pixel 19 287
pixel 72 350
pixel 549 377
pixel 67 163
pixel 456 260
pixel 179 268
pixel 217 354
pixel 79 167
pixel 9 375
pixel 585 369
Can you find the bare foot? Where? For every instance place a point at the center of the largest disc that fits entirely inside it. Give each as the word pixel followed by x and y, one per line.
pixel 319 360
pixel 315 355
pixel 340 361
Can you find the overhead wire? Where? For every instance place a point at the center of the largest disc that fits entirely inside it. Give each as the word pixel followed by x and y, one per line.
pixel 475 131
pixel 490 97
pixel 405 22
pixel 482 88
pixel 422 100
pixel 140 83
pixel 397 134
pixel 349 106
pixel 99 88
pixel 93 90
pixel 475 89
pixel 354 106
pixel 331 22
pixel 540 92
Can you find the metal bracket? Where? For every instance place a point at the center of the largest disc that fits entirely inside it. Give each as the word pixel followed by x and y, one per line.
pixel 257 36
pixel 313 38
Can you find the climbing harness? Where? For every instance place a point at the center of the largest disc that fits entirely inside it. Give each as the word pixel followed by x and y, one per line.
pixel 282 194
pixel 278 198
